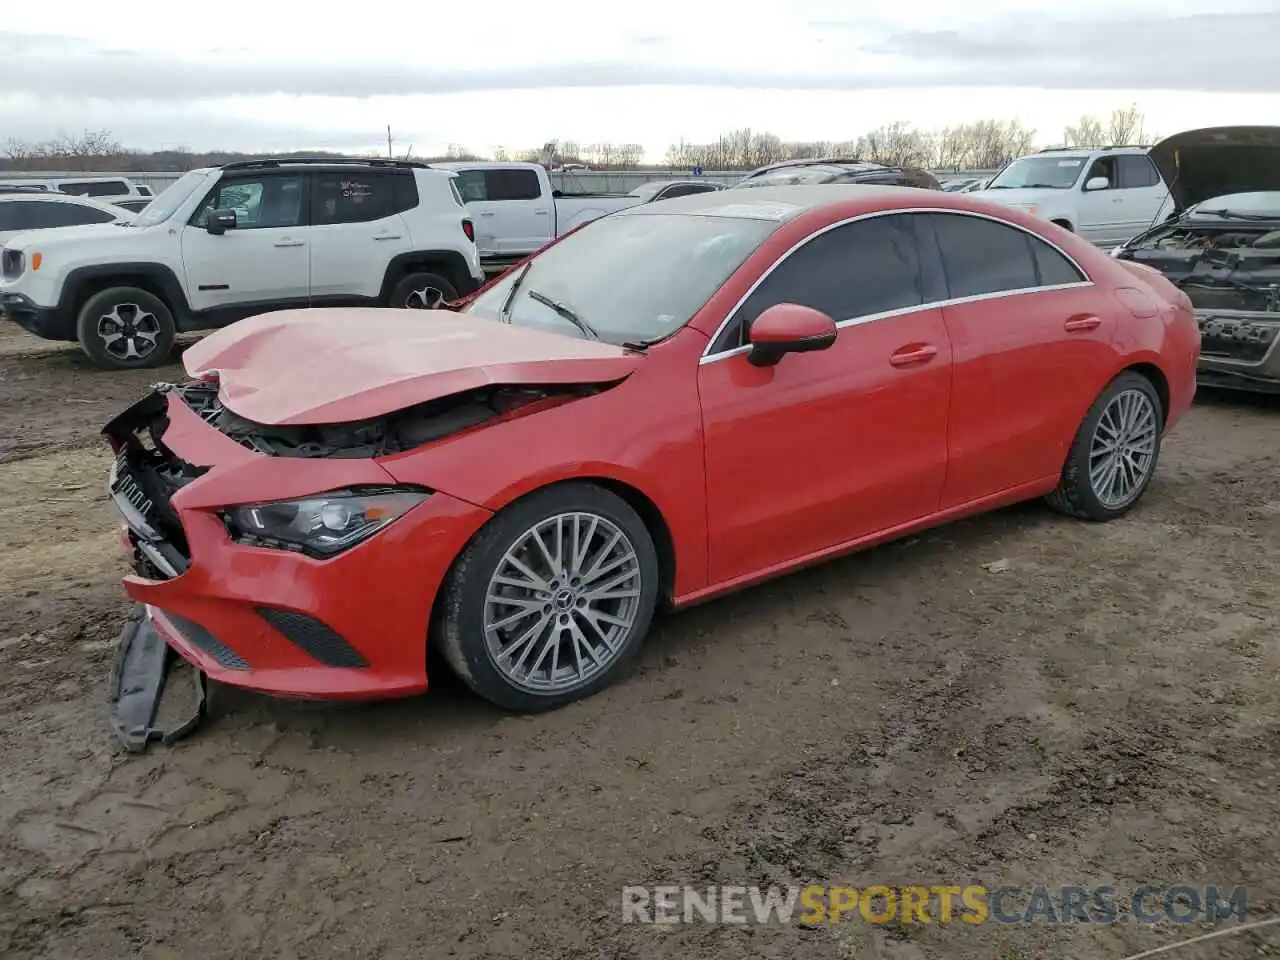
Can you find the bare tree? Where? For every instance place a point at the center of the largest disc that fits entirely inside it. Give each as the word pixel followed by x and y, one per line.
pixel 1126 126
pixel 1087 132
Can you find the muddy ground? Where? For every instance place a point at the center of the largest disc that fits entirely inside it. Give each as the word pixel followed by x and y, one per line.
pixel 1105 710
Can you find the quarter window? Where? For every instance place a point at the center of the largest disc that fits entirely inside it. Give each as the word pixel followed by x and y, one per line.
pixel 855 270
pixel 981 256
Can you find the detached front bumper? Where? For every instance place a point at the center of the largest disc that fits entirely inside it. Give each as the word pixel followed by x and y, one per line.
pixel 1239 350
pixel 353 626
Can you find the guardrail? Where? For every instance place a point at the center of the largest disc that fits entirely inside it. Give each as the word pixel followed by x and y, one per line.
pixel 575 181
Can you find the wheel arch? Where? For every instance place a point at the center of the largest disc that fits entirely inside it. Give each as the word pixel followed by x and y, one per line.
pixel 1158 380
pixel 155 278
pixel 451 264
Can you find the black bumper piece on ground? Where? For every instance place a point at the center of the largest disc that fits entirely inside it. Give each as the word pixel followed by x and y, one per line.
pixel 143 662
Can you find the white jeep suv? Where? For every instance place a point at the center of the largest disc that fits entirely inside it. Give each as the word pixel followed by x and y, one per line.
pixel 224 243
pixel 1106 195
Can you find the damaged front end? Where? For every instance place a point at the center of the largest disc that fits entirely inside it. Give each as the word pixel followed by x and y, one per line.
pixel 1230 270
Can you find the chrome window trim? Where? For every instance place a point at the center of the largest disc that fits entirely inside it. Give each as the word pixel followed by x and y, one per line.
pixel 709 357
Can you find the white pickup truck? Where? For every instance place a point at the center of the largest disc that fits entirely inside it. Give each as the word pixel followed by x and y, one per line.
pixel 517 210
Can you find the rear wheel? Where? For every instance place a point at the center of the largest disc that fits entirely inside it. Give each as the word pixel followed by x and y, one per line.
pixel 422 291
pixel 125 328
pixel 1115 451
pixel 551 599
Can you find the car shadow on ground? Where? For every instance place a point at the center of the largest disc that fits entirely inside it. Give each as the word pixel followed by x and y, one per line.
pixel 677 639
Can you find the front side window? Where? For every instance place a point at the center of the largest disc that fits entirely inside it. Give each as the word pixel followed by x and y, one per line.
pixel 981 257
pixel 633 278
pixel 259 203
pixel 352 197
pixel 1104 167
pixel 856 270
pixel 1046 172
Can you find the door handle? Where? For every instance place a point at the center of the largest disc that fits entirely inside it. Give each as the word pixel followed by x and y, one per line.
pixel 290 243
pixel 1082 323
pixel 540 213
pixel 487 213
pixel 387 236
pixel 919 353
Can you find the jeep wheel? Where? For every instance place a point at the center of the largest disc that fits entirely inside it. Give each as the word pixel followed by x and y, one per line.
pixel 422 291
pixel 125 328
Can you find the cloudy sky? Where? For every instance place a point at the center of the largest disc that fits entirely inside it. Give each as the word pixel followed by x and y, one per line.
pixel 265 76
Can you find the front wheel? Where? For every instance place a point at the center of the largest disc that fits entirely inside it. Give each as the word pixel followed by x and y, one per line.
pixel 551 599
pixel 126 328
pixel 1115 451
pixel 422 291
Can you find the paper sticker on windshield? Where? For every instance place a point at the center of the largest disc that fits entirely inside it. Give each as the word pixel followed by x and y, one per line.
pixel 762 210
pixel 1070 163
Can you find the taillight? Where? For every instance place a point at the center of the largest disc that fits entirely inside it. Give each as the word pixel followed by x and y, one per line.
pixel 469 229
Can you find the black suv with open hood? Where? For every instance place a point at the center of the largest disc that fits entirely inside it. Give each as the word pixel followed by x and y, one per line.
pixel 1221 246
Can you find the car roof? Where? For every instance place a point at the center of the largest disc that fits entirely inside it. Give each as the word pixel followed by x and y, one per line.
pixel 41 197
pixel 778 204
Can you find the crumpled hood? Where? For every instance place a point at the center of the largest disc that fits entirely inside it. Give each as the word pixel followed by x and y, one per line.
pixel 1199 165
pixel 339 365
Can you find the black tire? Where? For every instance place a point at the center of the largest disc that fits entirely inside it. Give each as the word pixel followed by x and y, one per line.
pixel 407 294
pixel 1075 495
pixel 126 305
pixel 459 628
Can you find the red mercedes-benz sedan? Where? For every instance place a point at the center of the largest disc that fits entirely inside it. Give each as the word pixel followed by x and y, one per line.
pixel 673 402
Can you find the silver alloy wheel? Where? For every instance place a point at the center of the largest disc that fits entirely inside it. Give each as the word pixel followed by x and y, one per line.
pixel 562 602
pixel 1123 448
pixel 129 332
pixel 428 298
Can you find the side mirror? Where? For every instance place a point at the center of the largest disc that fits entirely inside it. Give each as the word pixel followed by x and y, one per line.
pixel 220 221
pixel 1096 183
pixel 788 328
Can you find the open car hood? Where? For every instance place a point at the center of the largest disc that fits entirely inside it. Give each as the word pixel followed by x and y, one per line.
pixel 339 365
pixel 1199 165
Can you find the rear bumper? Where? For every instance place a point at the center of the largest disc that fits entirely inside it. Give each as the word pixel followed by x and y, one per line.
pixel 47 322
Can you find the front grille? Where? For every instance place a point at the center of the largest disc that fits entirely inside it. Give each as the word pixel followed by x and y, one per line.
pixel 313 637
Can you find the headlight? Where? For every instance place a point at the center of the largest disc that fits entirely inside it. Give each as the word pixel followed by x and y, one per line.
pixel 323 525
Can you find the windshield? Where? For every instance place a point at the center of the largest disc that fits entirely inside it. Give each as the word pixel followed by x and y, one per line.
pixel 171 198
pixel 1263 204
pixel 647 190
pixel 790 176
pixel 1048 173
pixel 632 278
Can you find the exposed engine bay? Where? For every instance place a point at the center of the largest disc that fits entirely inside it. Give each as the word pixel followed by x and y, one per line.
pixel 1231 273
pixel 404 430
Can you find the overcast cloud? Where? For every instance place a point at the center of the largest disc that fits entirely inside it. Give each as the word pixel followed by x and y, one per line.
pixel 520 72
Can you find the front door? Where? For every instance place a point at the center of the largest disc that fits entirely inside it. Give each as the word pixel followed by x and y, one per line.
pixel 828 447
pixel 264 261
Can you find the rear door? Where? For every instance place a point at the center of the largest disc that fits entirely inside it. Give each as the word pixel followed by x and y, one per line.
pixel 836 445
pixel 1144 191
pixel 356 231
pixel 1030 354
pixel 512 214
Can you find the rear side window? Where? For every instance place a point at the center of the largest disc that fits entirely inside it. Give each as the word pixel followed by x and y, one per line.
pixel 352 197
pixel 67 215
pixel 511 185
pixel 108 188
pixel 1137 172
pixel 983 256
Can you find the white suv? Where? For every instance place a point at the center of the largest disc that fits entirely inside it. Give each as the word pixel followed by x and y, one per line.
pixel 1106 195
pixel 228 242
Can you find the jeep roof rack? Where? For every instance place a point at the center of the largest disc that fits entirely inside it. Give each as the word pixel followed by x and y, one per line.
pixel 333 161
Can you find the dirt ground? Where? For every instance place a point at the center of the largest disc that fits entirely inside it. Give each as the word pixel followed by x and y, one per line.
pixel 1104 710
